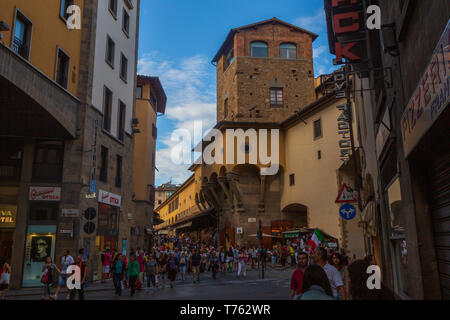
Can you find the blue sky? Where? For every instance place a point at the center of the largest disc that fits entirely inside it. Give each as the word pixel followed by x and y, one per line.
pixel 178 40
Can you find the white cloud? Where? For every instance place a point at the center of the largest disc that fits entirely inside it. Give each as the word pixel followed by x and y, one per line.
pixel 191 91
pixel 315 23
pixel 317 52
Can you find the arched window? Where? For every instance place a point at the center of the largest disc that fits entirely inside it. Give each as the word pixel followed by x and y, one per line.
pixel 288 51
pixel 259 49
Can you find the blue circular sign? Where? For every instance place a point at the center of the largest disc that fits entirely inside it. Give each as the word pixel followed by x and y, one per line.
pixel 347 212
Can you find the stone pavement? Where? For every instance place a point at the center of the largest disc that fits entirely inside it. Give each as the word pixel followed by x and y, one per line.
pixel 227 286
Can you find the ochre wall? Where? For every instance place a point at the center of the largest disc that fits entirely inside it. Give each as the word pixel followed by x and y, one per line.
pixel 49 32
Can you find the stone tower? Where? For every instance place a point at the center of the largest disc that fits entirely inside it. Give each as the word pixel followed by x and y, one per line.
pixel 264 72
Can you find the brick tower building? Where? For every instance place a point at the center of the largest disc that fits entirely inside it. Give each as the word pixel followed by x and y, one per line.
pixel 264 72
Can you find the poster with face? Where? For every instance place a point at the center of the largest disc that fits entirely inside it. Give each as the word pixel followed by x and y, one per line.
pixel 41 247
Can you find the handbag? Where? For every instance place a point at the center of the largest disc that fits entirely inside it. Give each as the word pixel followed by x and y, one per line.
pixel 5 278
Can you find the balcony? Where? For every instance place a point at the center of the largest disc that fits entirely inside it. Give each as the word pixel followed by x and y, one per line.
pixel 20 48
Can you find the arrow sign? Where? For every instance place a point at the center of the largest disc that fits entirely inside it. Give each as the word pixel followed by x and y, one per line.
pixel 346 195
pixel 347 212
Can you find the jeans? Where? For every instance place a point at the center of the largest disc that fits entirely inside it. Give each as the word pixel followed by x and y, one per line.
pixel 151 279
pixel 183 269
pixel 242 269
pixel 47 289
pixel 79 291
pixel 117 279
pixel 132 281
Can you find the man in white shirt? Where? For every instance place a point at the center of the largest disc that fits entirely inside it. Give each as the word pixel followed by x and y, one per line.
pixel 66 261
pixel 320 257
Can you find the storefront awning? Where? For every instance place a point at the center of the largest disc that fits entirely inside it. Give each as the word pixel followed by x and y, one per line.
pixel 186 225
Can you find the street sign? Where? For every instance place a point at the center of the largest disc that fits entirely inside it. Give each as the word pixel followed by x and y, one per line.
pixel 347 212
pixel 93 186
pixel 346 195
pixel 240 230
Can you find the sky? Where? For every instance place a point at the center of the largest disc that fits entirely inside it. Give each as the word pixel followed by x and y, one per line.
pixel 178 40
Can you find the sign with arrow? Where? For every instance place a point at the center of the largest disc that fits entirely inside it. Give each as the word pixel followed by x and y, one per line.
pixel 346 195
pixel 347 212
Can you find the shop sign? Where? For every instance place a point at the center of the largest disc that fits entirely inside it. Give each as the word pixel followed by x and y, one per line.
pixel 45 194
pixel 346 30
pixel 240 230
pixel 292 235
pixel 251 220
pixel 430 98
pixel 109 198
pixel 70 213
pixel 8 216
pixel 66 228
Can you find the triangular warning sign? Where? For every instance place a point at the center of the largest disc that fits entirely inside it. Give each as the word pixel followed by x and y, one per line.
pixel 346 195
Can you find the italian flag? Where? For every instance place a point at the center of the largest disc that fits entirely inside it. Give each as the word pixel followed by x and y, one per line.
pixel 316 239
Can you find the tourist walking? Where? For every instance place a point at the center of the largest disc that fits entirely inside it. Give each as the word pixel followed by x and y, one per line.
pixel 172 264
pixel 133 274
pixel 297 277
pixel 316 285
pixel 66 261
pixel 118 269
pixel 83 273
pixel 320 257
pixel 48 272
pixel 241 265
pixel 5 275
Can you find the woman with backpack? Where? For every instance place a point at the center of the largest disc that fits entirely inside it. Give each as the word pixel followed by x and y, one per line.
pixel 47 277
pixel 172 263
pixel 5 272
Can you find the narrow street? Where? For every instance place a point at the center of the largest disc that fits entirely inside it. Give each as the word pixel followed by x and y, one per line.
pixel 275 286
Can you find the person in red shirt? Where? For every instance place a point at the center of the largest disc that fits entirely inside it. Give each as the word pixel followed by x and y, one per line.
pixel 297 277
pixel 106 265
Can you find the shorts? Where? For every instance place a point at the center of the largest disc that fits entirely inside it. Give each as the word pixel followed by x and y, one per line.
pixel 62 279
pixel 105 269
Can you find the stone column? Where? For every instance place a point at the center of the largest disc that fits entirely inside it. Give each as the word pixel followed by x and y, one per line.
pixel 22 214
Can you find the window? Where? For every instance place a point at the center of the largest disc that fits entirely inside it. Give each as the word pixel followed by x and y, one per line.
pixel 122 113
pixel 42 213
pixel 107 107
pixel 153 159
pixel 113 8
pixel 126 22
pixel 225 108
pixel 317 129
pixel 288 51
pixel 65 4
pixel 48 161
pixel 22 35
pixel 123 68
pixel 139 92
pixel 119 172
pixel 104 165
pixel 110 51
pixel 319 154
pixel 276 97
pixel 228 59
pixel 62 68
pixel 292 180
pixel 259 49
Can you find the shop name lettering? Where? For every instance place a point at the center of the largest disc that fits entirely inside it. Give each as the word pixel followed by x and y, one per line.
pixel 6 217
pixel 345 143
pixel 44 194
pixel 435 83
pixel 349 22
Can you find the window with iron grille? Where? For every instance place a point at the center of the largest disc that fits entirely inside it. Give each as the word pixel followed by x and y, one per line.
pixel 22 36
pixel 276 97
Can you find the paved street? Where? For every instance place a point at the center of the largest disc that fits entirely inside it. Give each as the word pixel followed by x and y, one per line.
pixel 275 286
